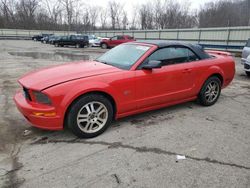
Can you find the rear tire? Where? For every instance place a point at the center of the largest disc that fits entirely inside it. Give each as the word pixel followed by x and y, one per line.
pixel 78 46
pixel 90 116
pixel 248 73
pixel 210 91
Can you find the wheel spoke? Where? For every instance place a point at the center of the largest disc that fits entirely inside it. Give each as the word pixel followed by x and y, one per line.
pixel 88 109
pixel 91 126
pixel 210 98
pixel 209 87
pixel 99 123
pixel 92 107
pixel 101 112
pixel 82 120
pixel 99 109
pixel 86 128
pixel 82 115
pixel 207 93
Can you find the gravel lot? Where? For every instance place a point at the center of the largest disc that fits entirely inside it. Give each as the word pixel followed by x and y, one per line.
pixel 138 151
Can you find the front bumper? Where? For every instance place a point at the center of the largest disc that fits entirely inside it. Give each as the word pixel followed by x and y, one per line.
pixel 246 64
pixel 29 109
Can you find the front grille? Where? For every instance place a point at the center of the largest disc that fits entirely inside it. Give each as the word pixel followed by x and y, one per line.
pixel 26 93
pixel 246 66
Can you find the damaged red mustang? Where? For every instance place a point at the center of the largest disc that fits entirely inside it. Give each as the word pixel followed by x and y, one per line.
pixel 131 78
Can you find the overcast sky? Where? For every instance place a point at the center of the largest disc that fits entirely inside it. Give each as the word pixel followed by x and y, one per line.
pixel 130 4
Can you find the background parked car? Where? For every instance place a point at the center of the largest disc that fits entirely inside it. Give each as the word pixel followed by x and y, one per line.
pixel 79 41
pixel 246 57
pixel 53 39
pixel 92 39
pixel 116 40
pixel 39 37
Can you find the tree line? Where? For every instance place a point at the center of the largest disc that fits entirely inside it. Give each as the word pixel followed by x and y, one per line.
pixel 156 14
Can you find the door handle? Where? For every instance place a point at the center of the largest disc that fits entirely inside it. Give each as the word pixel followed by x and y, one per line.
pixel 186 70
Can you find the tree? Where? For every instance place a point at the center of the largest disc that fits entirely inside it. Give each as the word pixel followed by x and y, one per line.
pixel 26 15
pixel 103 18
pixel 93 12
pixel 71 10
pixel 115 11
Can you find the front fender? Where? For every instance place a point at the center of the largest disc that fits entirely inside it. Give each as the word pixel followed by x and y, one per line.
pixel 79 90
pixel 64 94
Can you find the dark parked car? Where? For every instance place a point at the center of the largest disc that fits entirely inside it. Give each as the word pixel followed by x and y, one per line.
pixel 79 41
pixel 53 39
pixel 39 37
pixel 46 39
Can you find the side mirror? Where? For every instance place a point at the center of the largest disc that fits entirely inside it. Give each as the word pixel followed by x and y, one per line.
pixel 153 64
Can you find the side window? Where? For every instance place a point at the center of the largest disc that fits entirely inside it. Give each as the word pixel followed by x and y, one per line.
pixel 114 38
pixel 73 37
pixel 173 55
pixel 120 37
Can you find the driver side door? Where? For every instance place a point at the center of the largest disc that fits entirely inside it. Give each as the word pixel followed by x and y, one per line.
pixel 172 82
pixel 113 41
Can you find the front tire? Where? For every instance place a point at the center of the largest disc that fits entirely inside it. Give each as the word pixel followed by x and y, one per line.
pixel 210 91
pixel 90 116
pixel 248 73
pixel 104 46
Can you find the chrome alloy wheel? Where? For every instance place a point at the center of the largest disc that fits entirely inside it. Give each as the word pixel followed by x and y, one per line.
pixel 92 117
pixel 212 91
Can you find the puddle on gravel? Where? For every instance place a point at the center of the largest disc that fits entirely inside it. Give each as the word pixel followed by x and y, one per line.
pixel 56 56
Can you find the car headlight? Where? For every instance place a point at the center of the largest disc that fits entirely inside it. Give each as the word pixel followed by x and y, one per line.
pixel 41 98
pixel 248 59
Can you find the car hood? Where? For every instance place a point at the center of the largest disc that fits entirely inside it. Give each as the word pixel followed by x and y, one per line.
pixel 42 79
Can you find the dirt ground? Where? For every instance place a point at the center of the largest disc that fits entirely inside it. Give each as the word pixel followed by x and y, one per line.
pixel 138 151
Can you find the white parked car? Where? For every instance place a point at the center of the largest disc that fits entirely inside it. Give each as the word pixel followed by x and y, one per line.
pixel 93 41
pixel 245 60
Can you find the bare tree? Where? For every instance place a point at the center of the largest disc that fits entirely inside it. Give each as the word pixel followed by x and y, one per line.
pixel 93 12
pixel 135 21
pixel 7 10
pixel 146 16
pixel 70 8
pixel 26 12
pixel 54 9
pixel 124 20
pixel 86 20
pixel 115 11
pixel 103 18
pixel 225 13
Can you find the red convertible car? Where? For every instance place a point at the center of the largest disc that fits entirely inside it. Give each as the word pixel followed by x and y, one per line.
pixel 131 78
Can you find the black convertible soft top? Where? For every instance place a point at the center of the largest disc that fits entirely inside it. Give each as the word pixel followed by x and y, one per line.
pixel 167 43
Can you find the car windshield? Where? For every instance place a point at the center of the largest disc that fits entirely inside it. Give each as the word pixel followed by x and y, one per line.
pixel 123 56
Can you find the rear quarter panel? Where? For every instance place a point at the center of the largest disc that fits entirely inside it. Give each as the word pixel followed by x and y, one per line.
pixel 219 64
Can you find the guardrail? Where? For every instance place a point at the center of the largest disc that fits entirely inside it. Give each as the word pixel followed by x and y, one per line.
pixel 225 38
